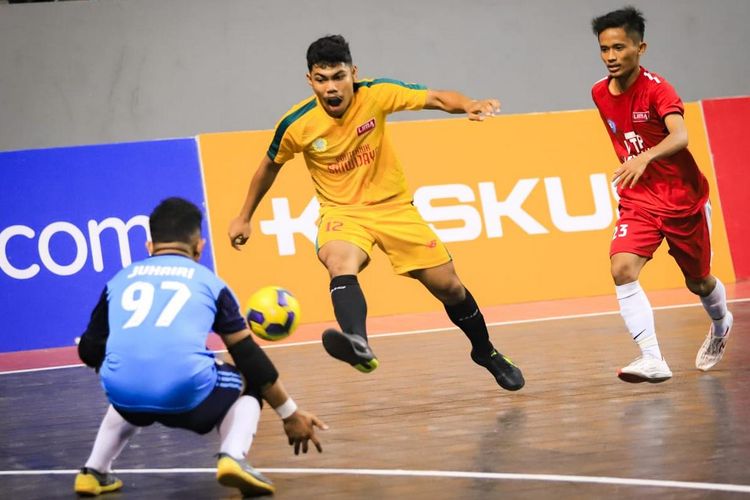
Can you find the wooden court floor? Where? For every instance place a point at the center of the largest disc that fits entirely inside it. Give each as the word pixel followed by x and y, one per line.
pixel 431 424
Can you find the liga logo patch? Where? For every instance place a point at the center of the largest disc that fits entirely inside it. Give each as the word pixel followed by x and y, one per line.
pixel 640 116
pixel 366 127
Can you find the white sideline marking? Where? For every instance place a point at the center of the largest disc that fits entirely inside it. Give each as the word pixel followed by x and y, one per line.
pixel 432 330
pixel 41 369
pixel 497 476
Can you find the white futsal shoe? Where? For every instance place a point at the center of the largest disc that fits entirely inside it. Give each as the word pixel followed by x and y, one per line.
pixel 712 349
pixel 645 369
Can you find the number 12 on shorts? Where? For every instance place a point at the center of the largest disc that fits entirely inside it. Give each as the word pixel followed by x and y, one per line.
pixel 334 226
pixel 621 230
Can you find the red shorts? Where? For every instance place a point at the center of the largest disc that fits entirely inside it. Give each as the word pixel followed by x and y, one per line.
pixel 689 238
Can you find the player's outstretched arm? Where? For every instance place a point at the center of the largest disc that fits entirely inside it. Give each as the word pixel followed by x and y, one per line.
pixel 93 343
pixel 631 171
pixel 299 425
pixel 454 102
pixel 239 227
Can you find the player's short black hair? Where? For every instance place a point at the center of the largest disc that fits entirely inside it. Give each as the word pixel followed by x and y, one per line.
pixel 628 18
pixel 175 219
pixel 328 51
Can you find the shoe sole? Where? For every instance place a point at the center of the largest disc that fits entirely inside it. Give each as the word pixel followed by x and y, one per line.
pixel 515 387
pixel 632 378
pixel 230 474
pixel 248 488
pixel 340 347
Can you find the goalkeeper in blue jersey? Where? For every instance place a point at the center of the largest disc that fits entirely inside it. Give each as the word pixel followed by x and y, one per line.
pixel 147 339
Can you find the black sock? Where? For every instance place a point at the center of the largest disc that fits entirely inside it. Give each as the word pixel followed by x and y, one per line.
pixel 349 304
pixel 467 316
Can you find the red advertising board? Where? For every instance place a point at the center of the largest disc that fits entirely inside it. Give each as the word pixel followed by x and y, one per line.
pixel 729 137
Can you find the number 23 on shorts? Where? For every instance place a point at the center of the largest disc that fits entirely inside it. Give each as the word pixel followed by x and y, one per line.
pixel 621 230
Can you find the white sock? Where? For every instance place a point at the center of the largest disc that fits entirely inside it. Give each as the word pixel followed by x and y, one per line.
pixel 636 310
pixel 114 433
pixel 715 304
pixel 238 427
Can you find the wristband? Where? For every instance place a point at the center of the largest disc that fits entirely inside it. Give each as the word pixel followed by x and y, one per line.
pixel 287 409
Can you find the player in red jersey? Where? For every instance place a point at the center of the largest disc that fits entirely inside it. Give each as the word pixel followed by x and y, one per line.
pixel 662 194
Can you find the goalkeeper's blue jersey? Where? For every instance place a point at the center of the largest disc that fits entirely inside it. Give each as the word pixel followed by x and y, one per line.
pixel 160 313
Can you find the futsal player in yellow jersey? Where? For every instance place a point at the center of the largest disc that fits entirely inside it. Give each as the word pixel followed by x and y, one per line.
pixel 364 200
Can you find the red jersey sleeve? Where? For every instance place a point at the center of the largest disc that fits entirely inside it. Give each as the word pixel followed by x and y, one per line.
pixel 665 100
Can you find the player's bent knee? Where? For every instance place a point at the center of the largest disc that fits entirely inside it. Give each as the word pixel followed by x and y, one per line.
pixel 624 272
pixel 450 293
pixel 457 291
pixel 701 287
pixel 254 392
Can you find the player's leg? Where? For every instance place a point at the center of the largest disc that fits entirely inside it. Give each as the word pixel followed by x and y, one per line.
pixel 233 409
pixel 443 282
pixel 689 242
pixel 715 304
pixel 344 258
pixel 237 430
pixel 635 239
pixel 416 251
pixel 343 261
pixel 96 476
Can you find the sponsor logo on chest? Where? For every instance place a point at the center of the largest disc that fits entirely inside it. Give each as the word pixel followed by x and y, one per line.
pixel 366 127
pixel 640 116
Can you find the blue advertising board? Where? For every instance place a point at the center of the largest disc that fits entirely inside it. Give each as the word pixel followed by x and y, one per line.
pixel 70 218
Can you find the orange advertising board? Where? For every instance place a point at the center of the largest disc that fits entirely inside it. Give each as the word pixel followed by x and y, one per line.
pixel 523 203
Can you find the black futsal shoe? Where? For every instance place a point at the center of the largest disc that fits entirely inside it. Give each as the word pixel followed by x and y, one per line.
pixel 507 375
pixel 350 348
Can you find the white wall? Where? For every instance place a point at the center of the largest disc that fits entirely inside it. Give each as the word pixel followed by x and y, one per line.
pixel 103 71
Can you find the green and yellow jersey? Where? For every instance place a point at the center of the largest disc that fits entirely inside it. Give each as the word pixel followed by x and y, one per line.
pixel 351 159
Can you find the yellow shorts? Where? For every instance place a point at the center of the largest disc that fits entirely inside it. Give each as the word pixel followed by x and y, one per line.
pixel 399 230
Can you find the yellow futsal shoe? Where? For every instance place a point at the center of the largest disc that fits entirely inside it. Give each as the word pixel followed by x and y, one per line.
pixel 90 482
pixel 350 348
pixel 240 474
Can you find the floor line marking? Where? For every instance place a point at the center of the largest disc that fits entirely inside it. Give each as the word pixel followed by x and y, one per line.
pixel 431 330
pixel 433 473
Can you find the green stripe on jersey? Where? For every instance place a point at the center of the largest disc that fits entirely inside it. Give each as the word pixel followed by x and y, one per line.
pixel 376 81
pixel 273 149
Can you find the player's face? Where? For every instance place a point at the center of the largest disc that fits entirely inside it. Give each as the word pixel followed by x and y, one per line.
pixel 334 87
pixel 619 52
